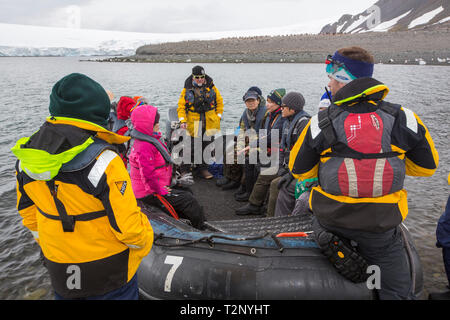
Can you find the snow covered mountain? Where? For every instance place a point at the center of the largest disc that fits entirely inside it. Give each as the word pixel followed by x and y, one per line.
pixel 27 40
pixel 393 15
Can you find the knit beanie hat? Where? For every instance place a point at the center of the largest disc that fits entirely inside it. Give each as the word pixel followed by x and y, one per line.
pixel 198 71
pixel 276 95
pixel 78 96
pixel 294 101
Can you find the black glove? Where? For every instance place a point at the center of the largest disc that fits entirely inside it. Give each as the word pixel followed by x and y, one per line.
pixel 282 171
pixel 285 180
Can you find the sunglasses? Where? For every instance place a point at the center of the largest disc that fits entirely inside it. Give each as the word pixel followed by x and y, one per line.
pixel 199 77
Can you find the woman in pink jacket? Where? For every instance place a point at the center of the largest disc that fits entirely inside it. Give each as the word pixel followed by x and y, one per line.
pixel 151 174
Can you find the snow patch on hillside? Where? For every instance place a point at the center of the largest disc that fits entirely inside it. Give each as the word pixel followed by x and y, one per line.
pixel 425 18
pixel 385 26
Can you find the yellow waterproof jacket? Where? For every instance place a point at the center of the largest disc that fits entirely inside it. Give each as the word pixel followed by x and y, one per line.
pixel 189 114
pixel 409 138
pixel 110 233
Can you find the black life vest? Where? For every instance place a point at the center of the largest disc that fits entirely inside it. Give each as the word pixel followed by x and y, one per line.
pixel 200 99
pixel 260 118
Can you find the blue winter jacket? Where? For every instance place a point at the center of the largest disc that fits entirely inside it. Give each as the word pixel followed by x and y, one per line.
pixel 443 228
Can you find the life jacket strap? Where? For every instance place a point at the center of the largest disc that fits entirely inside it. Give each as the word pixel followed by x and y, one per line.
pixel 340 149
pixel 68 221
pixel 326 118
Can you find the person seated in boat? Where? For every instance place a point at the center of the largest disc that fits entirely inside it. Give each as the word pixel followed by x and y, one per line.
pixel 325 101
pixel 124 108
pixel 273 124
pixel 303 187
pixel 282 189
pixel 443 241
pixel 344 147
pixel 151 170
pixel 120 122
pixel 200 110
pixel 252 118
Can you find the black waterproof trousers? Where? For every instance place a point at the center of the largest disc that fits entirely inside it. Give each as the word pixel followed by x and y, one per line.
pixel 386 251
pixel 184 203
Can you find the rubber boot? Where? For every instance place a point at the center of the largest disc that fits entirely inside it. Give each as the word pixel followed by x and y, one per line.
pixel 231 185
pixel 249 209
pixel 344 258
pixel 439 296
pixel 222 181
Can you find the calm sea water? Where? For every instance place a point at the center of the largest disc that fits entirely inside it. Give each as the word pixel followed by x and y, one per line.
pixel 25 86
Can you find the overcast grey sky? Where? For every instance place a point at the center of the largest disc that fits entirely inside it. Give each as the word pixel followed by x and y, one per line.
pixel 177 15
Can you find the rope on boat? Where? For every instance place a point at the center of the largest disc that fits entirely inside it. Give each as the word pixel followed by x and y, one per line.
pixel 210 240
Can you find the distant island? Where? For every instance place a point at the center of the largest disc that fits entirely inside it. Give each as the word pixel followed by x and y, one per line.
pixel 428 46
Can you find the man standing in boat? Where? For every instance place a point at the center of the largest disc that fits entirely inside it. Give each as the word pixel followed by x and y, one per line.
pixel 360 148
pixel 200 110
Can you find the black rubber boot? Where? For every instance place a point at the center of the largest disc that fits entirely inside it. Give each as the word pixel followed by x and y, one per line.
pixel 242 197
pixel 231 185
pixel 240 190
pixel 249 209
pixel 439 296
pixel 222 181
pixel 347 261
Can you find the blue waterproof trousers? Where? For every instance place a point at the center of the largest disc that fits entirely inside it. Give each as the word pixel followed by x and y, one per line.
pixel 130 291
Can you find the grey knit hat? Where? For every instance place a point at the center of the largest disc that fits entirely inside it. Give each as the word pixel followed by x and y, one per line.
pixel 293 100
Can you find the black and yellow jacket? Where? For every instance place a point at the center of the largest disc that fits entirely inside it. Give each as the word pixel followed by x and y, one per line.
pixel 195 103
pixel 409 145
pixel 86 219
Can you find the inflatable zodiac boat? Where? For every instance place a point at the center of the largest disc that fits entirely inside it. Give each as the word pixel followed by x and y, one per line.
pixel 265 258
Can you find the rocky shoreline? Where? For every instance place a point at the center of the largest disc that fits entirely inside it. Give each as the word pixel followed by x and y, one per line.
pixel 430 46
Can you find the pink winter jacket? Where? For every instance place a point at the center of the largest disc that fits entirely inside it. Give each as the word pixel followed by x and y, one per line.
pixel 148 170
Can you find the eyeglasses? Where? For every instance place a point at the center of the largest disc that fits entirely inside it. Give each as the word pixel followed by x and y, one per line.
pixel 199 77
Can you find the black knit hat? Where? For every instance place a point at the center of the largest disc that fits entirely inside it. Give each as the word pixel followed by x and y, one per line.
pixel 198 71
pixel 294 101
pixel 78 96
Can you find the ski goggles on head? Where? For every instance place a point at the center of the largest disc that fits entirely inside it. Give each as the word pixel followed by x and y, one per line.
pixel 337 70
pixel 199 77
